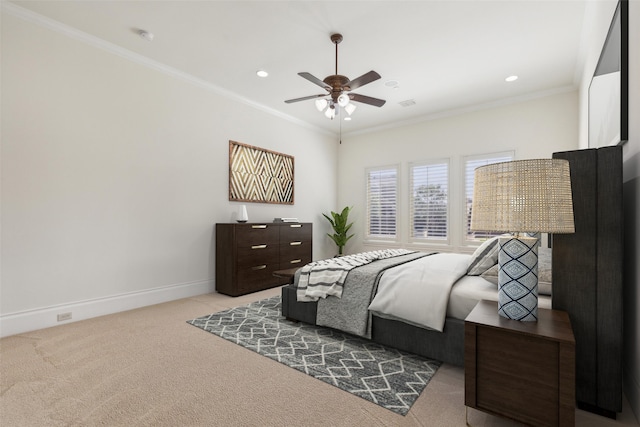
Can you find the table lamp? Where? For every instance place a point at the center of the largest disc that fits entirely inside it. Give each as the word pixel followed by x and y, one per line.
pixel 517 197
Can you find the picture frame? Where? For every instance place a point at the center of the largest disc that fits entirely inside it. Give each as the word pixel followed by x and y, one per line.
pixel 259 175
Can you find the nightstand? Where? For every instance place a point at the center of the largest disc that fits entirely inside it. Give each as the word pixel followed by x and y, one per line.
pixel 524 371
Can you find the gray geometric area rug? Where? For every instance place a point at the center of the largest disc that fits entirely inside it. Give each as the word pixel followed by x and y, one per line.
pixel 383 375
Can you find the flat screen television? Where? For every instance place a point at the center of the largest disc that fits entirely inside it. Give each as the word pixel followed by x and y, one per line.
pixel 608 91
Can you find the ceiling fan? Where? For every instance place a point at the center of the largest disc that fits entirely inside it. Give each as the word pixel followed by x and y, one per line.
pixel 339 89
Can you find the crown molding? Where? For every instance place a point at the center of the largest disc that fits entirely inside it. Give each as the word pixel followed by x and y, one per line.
pixel 96 42
pixel 466 110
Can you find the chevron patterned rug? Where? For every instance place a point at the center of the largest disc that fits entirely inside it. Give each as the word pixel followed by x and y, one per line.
pixel 385 376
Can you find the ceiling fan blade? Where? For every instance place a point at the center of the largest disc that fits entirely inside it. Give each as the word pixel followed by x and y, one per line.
pixel 314 80
pixel 304 98
pixel 367 99
pixel 364 79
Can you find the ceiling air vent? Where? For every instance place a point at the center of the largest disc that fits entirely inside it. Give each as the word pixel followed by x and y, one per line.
pixel 408 103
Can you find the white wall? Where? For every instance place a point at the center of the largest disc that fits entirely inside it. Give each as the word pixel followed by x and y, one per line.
pixel 534 128
pixel 600 15
pixel 114 174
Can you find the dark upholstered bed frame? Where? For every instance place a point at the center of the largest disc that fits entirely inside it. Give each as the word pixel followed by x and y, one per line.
pixel 587 284
pixel 446 346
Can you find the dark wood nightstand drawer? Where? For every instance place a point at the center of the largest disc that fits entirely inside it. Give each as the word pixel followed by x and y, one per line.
pixel 527 372
pixel 520 370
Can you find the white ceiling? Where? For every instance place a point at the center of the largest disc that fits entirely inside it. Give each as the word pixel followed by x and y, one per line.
pixel 446 55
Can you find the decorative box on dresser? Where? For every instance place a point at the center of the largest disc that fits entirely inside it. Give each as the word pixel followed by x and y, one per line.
pixel 248 254
pixel 520 370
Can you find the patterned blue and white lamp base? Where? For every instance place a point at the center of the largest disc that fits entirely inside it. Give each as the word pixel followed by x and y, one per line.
pixel 518 278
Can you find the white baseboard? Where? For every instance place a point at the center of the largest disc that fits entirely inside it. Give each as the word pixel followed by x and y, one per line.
pixel 31 320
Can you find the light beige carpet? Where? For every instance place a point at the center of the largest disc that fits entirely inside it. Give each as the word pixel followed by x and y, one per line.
pixel 148 367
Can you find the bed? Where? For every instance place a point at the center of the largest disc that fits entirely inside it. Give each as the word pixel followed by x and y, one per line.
pixel 587 284
pixel 413 301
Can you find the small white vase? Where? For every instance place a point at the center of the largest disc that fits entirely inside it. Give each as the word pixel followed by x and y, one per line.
pixel 242 214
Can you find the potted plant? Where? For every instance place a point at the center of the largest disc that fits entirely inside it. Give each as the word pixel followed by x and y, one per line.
pixel 340 228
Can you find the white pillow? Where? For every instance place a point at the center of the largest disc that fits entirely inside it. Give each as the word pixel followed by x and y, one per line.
pixel 491 275
pixel 484 257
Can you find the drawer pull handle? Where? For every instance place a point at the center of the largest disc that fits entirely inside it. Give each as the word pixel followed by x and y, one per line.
pixel 295 243
pixel 259 226
pixel 259 267
pixel 258 246
pixel 295 261
pixel 295 225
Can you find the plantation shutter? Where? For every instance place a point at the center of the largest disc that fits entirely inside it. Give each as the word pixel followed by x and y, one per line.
pixel 382 200
pixel 470 165
pixel 429 204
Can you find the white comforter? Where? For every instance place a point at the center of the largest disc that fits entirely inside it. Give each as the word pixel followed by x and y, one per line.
pixel 418 292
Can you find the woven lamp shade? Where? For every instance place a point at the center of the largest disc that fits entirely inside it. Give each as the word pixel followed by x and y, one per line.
pixel 523 196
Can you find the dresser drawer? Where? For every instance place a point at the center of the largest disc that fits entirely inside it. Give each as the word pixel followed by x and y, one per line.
pixel 294 254
pixel 294 263
pixel 258 253
pixel 295 232
pixel 256 234
pixel 258 257
pixel 257 277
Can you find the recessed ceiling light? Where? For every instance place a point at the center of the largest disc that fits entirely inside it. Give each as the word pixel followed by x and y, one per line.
pixel 511 79
pixel 347 119
pixel 262 73
pixel 392 84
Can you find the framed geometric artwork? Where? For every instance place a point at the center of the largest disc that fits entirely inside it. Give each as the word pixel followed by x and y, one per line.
pixel 259 175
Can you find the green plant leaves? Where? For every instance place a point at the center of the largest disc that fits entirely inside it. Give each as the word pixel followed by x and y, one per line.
pixel 341 227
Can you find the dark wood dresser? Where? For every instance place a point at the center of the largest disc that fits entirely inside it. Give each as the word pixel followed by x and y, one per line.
pixel 248 254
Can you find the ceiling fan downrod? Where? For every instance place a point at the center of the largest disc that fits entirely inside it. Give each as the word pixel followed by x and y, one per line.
pixel 336 39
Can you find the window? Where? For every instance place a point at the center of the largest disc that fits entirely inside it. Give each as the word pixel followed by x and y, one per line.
pixel 382 201
pixel 429 200
pixel 470 165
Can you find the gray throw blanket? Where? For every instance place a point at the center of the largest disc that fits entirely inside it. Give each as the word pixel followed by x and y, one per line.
pixel 350 313
pixel 319 279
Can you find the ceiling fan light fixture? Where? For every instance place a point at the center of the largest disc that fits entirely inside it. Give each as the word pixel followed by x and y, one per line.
pixel 321 104
pixel 343 100
pixel 331 112
pixel 338 90
pixel 350 108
